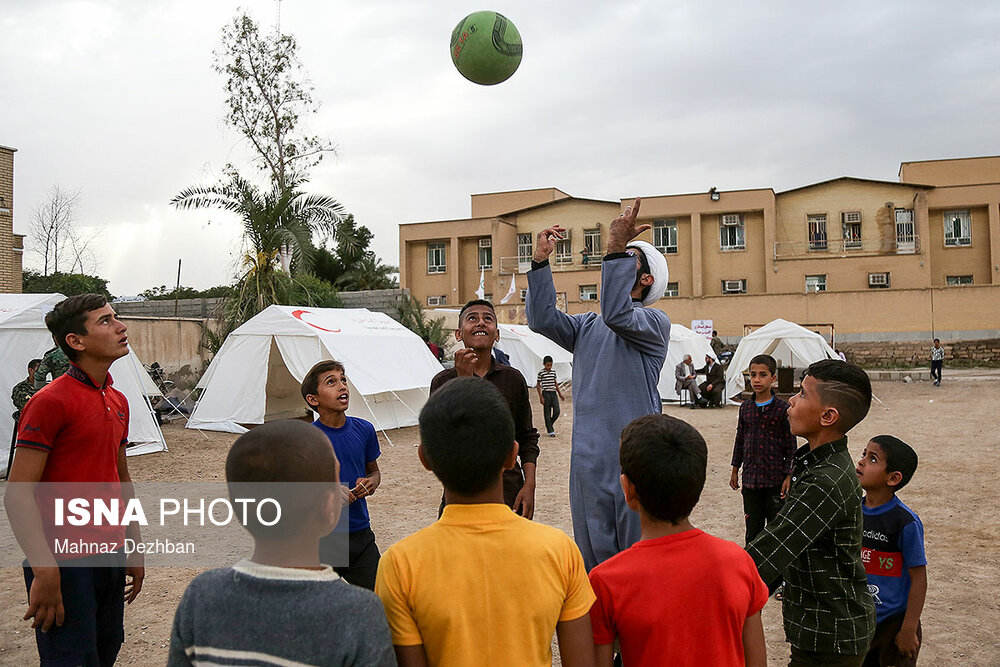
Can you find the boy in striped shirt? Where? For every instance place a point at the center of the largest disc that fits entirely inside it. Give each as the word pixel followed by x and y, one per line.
pixel 549 395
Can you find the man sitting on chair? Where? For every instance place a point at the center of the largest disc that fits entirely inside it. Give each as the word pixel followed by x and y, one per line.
pixel 715 381
pixel 685 378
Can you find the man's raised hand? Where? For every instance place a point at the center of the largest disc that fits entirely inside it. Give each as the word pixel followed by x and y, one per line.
pixel 545 243
pixel 624 229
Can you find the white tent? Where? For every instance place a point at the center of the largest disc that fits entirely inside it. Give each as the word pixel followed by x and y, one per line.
pixel 23 337
pixel 256 375
pixel 683 341
pixel 790 344
pixel 526 350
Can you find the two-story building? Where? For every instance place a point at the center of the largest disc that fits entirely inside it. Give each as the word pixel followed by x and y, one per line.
pixel 11 244
pixel 878 260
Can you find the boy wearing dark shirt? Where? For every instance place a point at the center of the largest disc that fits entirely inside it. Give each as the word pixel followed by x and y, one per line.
pixel 892 549
pixel 764 447
pixel 815 541
pixel 355 443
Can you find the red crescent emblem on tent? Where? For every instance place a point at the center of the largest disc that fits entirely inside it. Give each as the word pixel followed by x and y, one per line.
pixel 297 314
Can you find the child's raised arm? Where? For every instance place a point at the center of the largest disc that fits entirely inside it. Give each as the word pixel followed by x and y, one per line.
pixel 576 642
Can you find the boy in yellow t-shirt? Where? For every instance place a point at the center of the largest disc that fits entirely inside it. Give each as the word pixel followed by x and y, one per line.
pixel 482 585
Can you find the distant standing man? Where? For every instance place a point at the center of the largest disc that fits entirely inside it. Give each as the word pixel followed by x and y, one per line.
pixel 19 396
pixel 717 345
pixel 937 362
pixel 618 354
pixel 55 362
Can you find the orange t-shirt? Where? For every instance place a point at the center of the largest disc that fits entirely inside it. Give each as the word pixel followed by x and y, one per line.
pixel 677 600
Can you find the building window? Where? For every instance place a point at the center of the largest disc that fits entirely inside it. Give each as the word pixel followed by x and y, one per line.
pixel 592 241
pixel 850 222
pixel 437 300
pixel 524 295
pixel 564 250
pixel 959 280
pixel 665 236
pixel 734 286
pixel 486 253
pixel 588 292
pixel 816 283
pixel 957 228
pixel 488 297
pixel 731 232
pixel 878 280
pixel 435 258
pixel 671 290
pixel 817 231
pixel 525 250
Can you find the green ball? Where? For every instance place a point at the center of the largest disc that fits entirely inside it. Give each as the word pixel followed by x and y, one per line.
pixel 486 48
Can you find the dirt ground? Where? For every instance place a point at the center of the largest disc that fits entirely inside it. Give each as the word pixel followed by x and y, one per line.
pixel 953 427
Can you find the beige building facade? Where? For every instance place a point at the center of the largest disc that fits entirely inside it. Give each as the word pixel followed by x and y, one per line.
pixel 11 244
pixel 876 260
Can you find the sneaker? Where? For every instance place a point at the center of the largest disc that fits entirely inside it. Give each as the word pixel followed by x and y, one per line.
pixel 552 434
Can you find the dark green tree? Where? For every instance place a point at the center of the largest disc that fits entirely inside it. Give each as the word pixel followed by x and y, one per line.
pixel 69 284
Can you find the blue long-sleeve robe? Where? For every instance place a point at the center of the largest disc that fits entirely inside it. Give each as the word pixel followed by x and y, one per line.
pixel 617 358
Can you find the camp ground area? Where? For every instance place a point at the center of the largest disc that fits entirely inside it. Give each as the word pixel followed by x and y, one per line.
pixel 953 427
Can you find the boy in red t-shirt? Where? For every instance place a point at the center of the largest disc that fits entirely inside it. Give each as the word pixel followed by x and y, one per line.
pixel 74 430
pixel 678 596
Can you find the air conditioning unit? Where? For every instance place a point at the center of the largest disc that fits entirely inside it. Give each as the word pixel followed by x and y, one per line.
pixel 731 219
pixel 588 297
pixel 851 217
pixel 485 243
pixel 878 279
pixel 436 300
pixel 732 286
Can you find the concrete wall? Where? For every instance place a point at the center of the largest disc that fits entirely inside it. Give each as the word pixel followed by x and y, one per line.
pixel 174 343
pixel 957 353
pixel 196 308
pixel 383 301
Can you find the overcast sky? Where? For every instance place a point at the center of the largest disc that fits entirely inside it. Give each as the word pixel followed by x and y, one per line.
pixel 117 99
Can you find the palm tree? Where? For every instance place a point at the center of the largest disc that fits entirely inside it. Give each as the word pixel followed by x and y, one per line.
pixel 276 221
pixel 367 272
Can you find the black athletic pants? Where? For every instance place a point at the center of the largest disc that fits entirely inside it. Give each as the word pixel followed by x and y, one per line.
pixel 760 506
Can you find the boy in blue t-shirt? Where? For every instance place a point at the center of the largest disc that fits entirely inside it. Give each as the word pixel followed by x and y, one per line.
pixel 356 446
pixel 892 549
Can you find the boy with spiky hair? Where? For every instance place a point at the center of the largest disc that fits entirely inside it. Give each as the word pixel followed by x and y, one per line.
pixel 892 549
pixel 282 606
pixel 355 443
pixel 482 585
pixel 679 596
pixel 815 541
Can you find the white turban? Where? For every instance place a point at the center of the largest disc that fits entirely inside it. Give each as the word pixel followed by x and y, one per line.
pixel 657 268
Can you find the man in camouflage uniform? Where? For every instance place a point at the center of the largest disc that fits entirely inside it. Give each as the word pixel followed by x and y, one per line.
pixel 55 362
pixel 19 396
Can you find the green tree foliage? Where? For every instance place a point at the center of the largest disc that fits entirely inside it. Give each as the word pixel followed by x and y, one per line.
pixel 412 316
pixel 351 266
pixel 163 293
pixel 69 284
pixel 267 93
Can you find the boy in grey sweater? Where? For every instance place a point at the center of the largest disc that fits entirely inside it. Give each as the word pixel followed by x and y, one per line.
pixel 282 607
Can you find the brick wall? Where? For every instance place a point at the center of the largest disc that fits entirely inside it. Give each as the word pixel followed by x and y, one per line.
pixel 383 301
pixel 905 354
pixel 10 259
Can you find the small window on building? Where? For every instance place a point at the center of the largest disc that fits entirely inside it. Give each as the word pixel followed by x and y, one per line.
pixel 851 227
pixel 437 300
pixel 435 258
pixel 592 241
pixel 665 236
pixel 671 290
pixel 524 295
pixel 816 283
pixel 525 250
pixel 878 280
pixel 731 232
pixel 488 297
pixel 485 253
pixel 564 249
pixel 957 228
pixel 588 292
pixel 734 286
pixel 817 231
pixel 959 280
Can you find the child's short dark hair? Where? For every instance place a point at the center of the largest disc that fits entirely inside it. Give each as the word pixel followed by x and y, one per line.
pixel 475 302
pixel 899 457
pixel 937 340
pixel 665 458
pixel 546 359
pixel 34 363
pixel 467 432
pixel 765 360
pixel 845 387
pixel 294 460
pixel 310 383
pixel 70 316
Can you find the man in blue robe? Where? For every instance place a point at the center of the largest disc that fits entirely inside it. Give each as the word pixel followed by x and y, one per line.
pixel 617 358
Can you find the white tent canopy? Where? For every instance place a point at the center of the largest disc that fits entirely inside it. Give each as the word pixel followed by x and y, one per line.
pixel 23 337
pixel 256 375
pixel 526 350
pixel 790 344
pixel 683 341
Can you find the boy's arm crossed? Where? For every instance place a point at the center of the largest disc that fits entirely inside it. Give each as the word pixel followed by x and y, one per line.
pixel 906 639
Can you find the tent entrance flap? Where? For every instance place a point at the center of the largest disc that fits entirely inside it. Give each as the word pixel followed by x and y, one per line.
pixel 283 395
